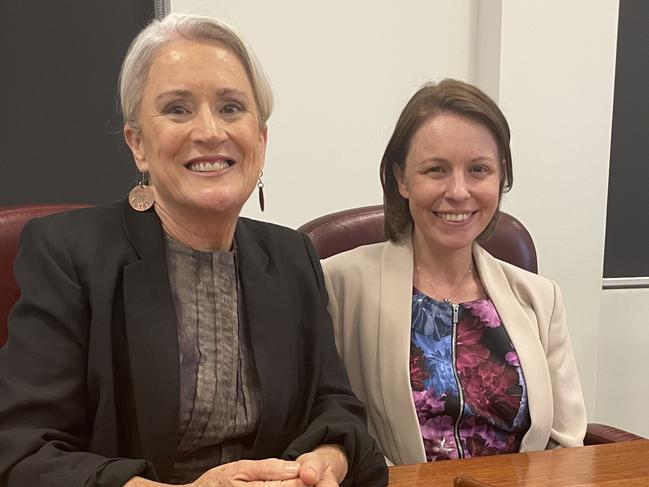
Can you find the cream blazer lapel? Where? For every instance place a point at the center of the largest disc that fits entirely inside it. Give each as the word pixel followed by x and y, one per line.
pixel 394 353
pixel 520 321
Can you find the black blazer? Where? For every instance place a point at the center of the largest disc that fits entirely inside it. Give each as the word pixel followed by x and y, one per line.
pixel 89 377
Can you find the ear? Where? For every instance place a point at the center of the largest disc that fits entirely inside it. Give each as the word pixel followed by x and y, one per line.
pixel 400 178
pixel 263 142
pixel 134 140
pixel 503 173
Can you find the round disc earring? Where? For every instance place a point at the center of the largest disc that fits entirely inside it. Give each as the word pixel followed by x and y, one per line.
pixel 141 197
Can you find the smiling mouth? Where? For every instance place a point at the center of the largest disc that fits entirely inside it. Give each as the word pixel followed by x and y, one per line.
pixel 454 217
pixel 207 166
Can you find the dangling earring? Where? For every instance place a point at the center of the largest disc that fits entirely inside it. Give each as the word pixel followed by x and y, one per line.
pixel 260 186
pixel 141 197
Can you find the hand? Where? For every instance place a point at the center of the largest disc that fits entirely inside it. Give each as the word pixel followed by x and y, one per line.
pixel 251 473
pixel 326 466
pixel 248 473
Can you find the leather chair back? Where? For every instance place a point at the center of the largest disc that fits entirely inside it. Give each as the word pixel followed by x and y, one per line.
pixel 12 221
pixel 348 229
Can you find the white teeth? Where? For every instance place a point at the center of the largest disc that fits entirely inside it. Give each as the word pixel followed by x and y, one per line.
pixel 208 166
pixel 454 217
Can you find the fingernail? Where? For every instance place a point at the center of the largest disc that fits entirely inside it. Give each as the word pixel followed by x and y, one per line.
pixel 291 467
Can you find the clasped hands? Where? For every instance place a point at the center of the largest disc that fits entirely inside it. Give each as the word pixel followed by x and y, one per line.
pixel 325 466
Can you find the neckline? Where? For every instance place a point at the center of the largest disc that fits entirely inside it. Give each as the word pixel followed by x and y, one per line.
pixel 178 246
pixel 435 301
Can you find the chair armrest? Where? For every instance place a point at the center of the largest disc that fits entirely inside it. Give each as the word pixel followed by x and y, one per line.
pixel 597 434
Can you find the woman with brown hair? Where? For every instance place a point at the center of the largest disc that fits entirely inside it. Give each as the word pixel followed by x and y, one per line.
pixel 456 354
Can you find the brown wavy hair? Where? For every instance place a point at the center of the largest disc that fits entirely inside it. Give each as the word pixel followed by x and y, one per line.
pixel 447 96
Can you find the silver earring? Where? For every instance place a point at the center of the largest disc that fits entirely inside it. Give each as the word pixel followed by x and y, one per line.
pixel 141 197
pixel 260 187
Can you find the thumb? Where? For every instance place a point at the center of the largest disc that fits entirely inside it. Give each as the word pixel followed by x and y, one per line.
pixel 312 468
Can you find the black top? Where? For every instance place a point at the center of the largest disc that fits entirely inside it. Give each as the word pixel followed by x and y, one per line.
pixel 89 377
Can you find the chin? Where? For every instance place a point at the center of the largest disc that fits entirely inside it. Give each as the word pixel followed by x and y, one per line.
pixel 215 205
pixel 456 243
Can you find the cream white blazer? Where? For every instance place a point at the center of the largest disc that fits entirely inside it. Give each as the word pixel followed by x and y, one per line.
pixel 370 299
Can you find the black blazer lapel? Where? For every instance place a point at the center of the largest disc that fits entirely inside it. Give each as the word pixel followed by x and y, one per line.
pixel 152 340
pixel 274 337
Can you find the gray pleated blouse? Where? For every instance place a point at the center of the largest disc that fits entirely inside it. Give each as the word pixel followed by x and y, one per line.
pixel 219 389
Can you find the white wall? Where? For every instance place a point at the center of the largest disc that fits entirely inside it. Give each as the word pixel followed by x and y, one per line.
pixel 341 71
pixel 623 387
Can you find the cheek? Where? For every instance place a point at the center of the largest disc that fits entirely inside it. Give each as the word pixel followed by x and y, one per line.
pixel 493 201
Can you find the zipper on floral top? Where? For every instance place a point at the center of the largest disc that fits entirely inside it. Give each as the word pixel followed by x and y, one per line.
pixel 456 426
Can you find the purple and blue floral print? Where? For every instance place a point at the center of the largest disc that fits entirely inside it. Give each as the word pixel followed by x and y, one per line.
pixel 467 383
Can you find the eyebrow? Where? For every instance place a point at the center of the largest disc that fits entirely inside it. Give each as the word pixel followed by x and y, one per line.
pixel 443 160
pixel 231 92
pixel 173 93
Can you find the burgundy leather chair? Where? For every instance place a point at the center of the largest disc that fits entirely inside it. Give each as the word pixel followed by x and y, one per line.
pixel 12 221
pixel 510 241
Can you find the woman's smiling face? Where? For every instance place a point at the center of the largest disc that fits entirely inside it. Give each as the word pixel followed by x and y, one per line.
pixel 199 135
pixel 451 180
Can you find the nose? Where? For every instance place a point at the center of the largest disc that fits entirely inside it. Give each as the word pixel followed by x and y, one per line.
pixel 207 128
pixel 458 189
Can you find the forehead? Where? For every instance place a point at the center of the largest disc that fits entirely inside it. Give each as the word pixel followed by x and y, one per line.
pixel 184 62
pixel 449 131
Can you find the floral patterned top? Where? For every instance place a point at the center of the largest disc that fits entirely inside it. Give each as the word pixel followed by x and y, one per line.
pixel 467 384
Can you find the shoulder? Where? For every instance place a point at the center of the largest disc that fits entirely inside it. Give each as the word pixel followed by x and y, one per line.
pixel 265 231
pixel 526 285
pixel 365 257
pixel 94 240
pixel 83 244
pixel 283 247
pixel 362 269
pixel 276 240
pixel 80 225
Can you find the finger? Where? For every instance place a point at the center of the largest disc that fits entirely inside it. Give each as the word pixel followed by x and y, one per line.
pixel 275 483
pixel 269 469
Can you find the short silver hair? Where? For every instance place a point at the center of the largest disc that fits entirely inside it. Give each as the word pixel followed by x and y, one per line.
pixel 147 44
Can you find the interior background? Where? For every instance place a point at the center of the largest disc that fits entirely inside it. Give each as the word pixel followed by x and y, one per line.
pixel 342 71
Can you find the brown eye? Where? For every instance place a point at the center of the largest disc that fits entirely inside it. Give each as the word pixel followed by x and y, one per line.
pixel 231 108
pixel 175 109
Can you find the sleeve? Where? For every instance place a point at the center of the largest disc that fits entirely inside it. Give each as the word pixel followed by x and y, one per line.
pixel 338 416
pixel 44 412
pixel 569 410
pixel 333 306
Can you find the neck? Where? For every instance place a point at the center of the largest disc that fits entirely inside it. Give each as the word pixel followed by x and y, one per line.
pixel 204 231
pixel 443 263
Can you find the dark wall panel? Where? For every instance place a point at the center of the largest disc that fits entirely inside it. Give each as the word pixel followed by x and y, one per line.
pixel 60 129
pixel 627 221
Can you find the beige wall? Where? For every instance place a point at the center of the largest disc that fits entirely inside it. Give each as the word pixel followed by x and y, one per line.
pixel 341 71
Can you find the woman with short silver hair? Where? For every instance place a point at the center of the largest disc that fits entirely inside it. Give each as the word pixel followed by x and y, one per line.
pixel 162 339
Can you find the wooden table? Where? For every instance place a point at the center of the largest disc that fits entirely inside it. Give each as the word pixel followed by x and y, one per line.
pixel 615 464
